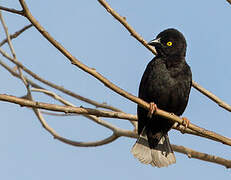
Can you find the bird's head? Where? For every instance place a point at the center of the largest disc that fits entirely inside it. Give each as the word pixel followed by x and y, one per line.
pixel 169 42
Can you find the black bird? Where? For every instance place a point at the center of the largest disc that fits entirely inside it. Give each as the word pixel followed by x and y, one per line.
pixel 166 81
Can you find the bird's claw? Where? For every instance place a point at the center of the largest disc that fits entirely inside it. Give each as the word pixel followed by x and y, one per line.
pixel 152 109
pixel 185 123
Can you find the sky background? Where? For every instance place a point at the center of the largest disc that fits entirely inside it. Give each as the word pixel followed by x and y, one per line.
pixel 92 35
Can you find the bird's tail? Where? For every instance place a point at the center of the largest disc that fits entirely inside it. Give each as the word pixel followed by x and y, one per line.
pixel 160 156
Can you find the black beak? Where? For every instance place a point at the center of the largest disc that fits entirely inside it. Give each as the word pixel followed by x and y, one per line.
pixel 154 42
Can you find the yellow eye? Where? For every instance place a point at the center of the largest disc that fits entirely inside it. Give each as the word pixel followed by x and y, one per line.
pixel 169 43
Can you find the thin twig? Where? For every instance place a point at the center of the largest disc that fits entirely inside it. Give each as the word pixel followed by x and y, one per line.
pixel 111 138
pixel 11 10
pixel 7 36
pixel 12 50
pixel 212 97
pixel 16 34
pixel 15 74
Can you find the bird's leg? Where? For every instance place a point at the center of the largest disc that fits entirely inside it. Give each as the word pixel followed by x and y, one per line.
pixel 152 109
pixel 185 123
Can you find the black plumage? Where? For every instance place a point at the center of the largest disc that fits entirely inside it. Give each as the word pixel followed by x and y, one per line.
pixel 167 82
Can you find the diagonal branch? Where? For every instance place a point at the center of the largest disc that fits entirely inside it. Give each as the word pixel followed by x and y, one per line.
pixel 202 156
pixel 123 21
pixel 12 50
pixel 16 34
pixel 212 97
pixel 11 10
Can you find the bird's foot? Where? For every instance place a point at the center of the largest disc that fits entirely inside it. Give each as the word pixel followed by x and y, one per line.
pixel 185 123
pixel 152 109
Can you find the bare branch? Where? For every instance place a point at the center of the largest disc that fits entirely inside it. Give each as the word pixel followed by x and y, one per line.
pixel 99 121
pixel 97 75
pixel 91 117
pixel 7 35
pixel 115 130
pixel 123 21
pixel 140 39
pixel 202 156
pixel 60 88
pixel 212 97
pixel 119 115
pixel 76 62
pixel 103 79
pixel 108 140
pixel 16 34
pixel 229 1
pixel 176 126
pixel 11 10
pixel 15 74
pixel 66 109
pixel 120 132
pixel 189 131
pixel 13 51
pixel 111 138
pixel 54 95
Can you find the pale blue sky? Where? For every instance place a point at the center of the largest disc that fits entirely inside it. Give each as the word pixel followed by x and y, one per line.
pixel 98 40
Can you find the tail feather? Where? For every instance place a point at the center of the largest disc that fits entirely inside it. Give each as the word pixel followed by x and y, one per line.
pixel 141 149
pixel 160 156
